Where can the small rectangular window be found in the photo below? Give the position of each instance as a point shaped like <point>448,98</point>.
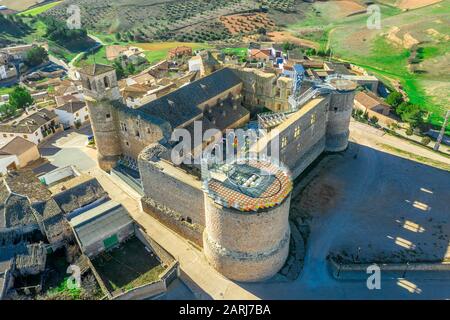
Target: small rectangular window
<point>108,115</point>
<point>5,135</point>
<point>284,142</point>
<point>297,132</point>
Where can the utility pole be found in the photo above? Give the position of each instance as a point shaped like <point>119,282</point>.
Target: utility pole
<point>441,134</point>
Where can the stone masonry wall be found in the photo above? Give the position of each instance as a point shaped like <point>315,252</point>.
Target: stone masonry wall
<point>246,246</point>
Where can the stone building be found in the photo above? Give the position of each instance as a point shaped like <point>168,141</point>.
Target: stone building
<point>304,122</point>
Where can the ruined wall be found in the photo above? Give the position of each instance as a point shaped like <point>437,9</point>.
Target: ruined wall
<point>246,246</point>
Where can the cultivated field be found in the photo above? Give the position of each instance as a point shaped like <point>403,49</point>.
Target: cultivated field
<point>19,5</point>
<point>40,9</point>
<point>247,23</point>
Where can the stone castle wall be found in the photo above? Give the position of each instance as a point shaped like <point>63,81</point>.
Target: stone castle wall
<point>246,246</point>
<point>107,140</point>
<point>264,89</point>
<point>175,203</point>
<point>339,114</point>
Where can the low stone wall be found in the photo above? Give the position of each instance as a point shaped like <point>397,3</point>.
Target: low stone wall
<point>99,279</point>
<point>6,285</point>
<point>163,215</point>
<point>144,292</point>
<point>163,255</point>
<point>422,271</point>
<point>152,289</point>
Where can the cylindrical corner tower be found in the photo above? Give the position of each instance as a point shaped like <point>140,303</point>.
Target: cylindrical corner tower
<point>246,236</point>
<point>339,114</point>
<point>101,91</point>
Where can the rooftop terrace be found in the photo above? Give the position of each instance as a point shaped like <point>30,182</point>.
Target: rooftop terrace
<point>249,186</point>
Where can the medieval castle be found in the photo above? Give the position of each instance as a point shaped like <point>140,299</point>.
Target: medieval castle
<point>238,212</point>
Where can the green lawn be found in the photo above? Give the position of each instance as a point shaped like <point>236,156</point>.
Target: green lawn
<point>99,56</point>
<point>4,90</point>
<point>40,9</point>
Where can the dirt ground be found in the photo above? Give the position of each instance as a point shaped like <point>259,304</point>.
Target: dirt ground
<point>414,4</point>
<point>369,205</point>
<point>286,36</point>
<point>19,5</point>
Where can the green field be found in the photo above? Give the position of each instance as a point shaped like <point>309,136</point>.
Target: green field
<point>241,53</point>
<point>154,51</point>
<point>40,9</point>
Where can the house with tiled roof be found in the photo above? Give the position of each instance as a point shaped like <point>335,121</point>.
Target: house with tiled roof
<point>34,127</point>
<point>73,113</point>
<point>180,52</point>
<point>25,151</point>
<point>369,101</point>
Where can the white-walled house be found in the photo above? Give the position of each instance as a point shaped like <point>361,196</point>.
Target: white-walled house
<point>35,127</point>
<point>8,162</point>
<point>72,112</point>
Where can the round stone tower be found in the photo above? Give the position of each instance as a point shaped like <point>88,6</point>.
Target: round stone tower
<point>246,236</point>
<point>101,91</point>
<point>339,114</point>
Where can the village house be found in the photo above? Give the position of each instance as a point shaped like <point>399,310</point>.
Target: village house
<point>180,52</point>
<point>130,53</point>
<point>260,55</point>
<point>92,232</point>
<point>18,52</point>
<point>35,127</point>
<point>370,102</point>
<point>24,152</point>
<point>7,69</point>
<point>72,113</point>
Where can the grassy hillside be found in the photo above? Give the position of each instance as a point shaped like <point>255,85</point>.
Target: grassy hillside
<point>40,9</point>
<point>427,81</point>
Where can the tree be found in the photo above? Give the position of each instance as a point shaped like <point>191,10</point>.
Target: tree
<point>425,141</point>
<point>394,99</point>
<point>374,119</point>
<point>36,56</point>
<point>287,46</point>
<point>119,69</point>
<point>262,31</point>
<point>118,36</point>
<point>130,69</point>
<point>20,98</point>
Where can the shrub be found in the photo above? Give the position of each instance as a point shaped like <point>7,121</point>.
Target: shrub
<point>409,132</point>
<point>425,141</point>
